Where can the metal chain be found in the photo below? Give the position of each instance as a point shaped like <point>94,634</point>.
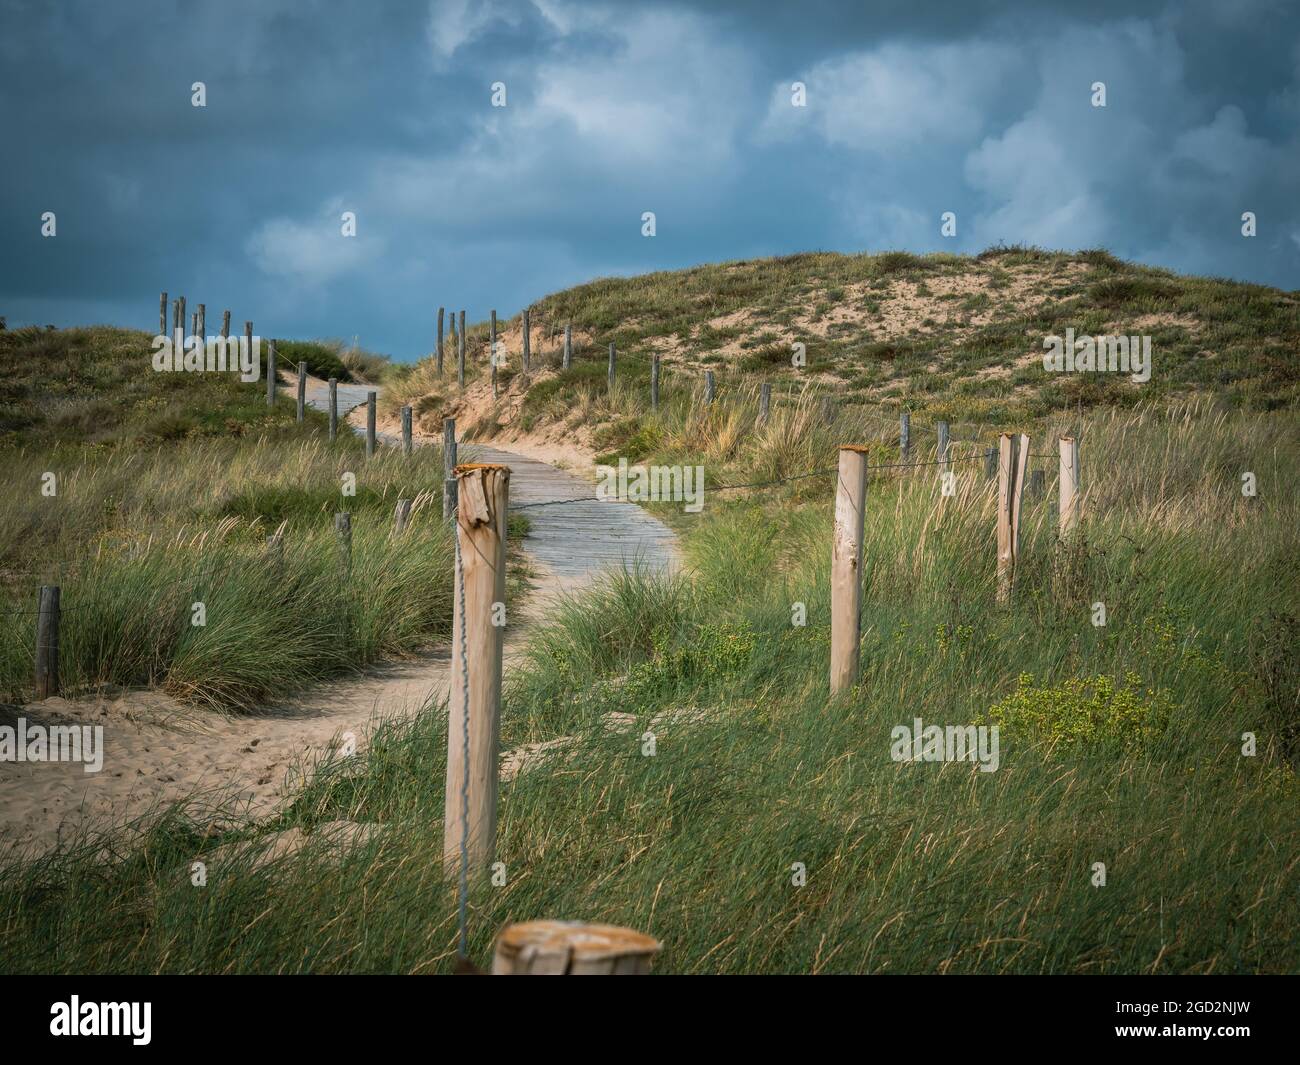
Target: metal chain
<point>462,894</point>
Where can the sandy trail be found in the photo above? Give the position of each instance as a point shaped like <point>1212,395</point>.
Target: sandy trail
<point>157,751</point>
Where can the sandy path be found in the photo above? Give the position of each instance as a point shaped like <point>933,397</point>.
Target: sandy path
<point>157,751</point>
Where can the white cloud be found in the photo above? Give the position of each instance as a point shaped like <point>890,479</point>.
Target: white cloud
<point>315,251</point>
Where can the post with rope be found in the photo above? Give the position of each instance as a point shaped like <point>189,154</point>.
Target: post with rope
<point>370,423</point>
<point>764,402</point>
<point>162,315</point>
<point>225,325</point>
<point>492,353</point>
<point>474,710</point>
<point>568,346</point>
<point>47,642</point>
<point>334,408</point>
<point>1069,485</point>
<point>406,430</point>
<point>904,437</point>
<point>270,373</point>
<point>944,446</point>
<point>846,566</point>
<point>654,382</point>
<point>448,468</point>
<point>460,352</point>
<point>710,387</point>
<point>1013,457</point>
<point>302,391</point>
<point>439,348</point>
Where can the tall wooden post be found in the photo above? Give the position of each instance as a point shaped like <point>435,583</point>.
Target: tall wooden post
<point>162,315</point>
<point>448,468</point>
<point>991,463</point>
<point>904,437</point>
<point>343,530</point>
<point>612,356</point>
<point>654,382</point>
<point>710,388</point>
<point>201,330</point>
<point>406,431</point>
<point>47,642</point>
<point>225,325</point>
<point>944,447</point>
<point>401,516</point>
<point>302,391</point>
<point>492,353</point>
<point>248,338</point>
<point>460,352</point>
<point>183,320</point>
<point>439,349</point>
<point>178,330</point>
<point>194,323</point>
<point>370,424</point>
<point>764,401</point>
<point>568,346</point>
<point>1069,485</point>
<point>1037,479</point>
<point>334,408</point>
<point>470,809</point>
<point>846,567</point>
<point>1013,455</point>
<point>527,341</point>
<point>270,373</point>
<point>828,410</point>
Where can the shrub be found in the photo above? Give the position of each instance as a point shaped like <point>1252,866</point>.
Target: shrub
<point>1083,711</point>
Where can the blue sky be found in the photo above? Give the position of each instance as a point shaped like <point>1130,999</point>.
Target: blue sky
<point>612,110</point>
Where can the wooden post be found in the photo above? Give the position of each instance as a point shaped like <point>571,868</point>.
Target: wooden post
<point>568,346</point>
<point>401,516</point>
<point>448,468</point>
<point>225,325</point>
<point>183,322</point>
<point>439,349</point>
<point>162,315</point>
<point>612,357</point>
<point>343,529</point>
<point>492,353</point>
<point>406,431</point>
<point>334,408</point>
<point>370,424</point>
<point>1013,454</point>
<point>1037,479</point>
<point>943,445</point>
<point>1069,485</point>
<point>828,410</point>
<point>177,331</point>
<point>527,349</point>
<point>991,463</point>
<point>47,642</point>
<point>270,373</point>
<point>460,352</point>
<point>302,391</point>
<point>194,323</point>
<point>201,331</point>
<point>846,566</point>
<point>483,497</point>
<point>710,389</point>
<point>572,948</point>
<point>248,338</point>
<point>764,402</point>
<point>904,437</point>
<point>654,382</point>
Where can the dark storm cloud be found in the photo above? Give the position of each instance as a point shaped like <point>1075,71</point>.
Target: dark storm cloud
<point>614,109</point>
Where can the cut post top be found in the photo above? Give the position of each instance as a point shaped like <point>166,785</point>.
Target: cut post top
<point>862,449</point>
<point>470,467</point>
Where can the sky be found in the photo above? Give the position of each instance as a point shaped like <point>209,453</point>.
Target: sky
<point>611,110</point>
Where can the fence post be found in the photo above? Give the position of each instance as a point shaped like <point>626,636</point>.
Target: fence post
<point>1037,478</point>
<point>612,357</point>
<point>1069,484</point>
<point>162,315</point>
<point>343,529</point>
<point>225,325</point>
<point>248,338</point>
<point>527,348</point>
<point>572,948</point>
<point>492,353</point>
<point>183,321</point>
<point>47,642</point>
<point>764,401</point>
<point>270,373</point>
<point>828,410</point>
<point>334,408</point>
<point>194,323</point>
<point>302,391</point>
<point>654,382</point>
<point>460,352</point>
<point>406,431</point>
<point>710,389</point>
<point>178,333</point>
<point>370,424</point>
<point>483,497</point>
<point>439,348</point>
<point>1013,454</point>
<point>401,515</point>
<point>568,346</point>
<point>991,463</point>
<point>943,445</point>
<point>448,468</point>
<point>202,329</point>
<point>846,566</point>
<point>904,437</point>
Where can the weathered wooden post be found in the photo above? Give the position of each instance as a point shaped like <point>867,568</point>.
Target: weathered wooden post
<point>162,315</point>
<point>492,353</point>
<point>370,424</point>
<point>612,356</point>
<point>401,516</point>
<point>406,431</point>
<point>828,410</point>
<point>47,642</point>
<point>943,445</point>
<point>343,530</point>
<point>183,322</point>
<point>1069,485</point>
<point>473,770</point>
<point>904,437</point>
<point>710,388</point>
<point>448,468</point>
<point>270,373</point>
<point>460,352</point>
<point>334,408</point>
<point>568,346</point>
<point>1037,481</point>
<point>225,325</point>
<point>527,348</point>
<point>991,463</point>
<point>201,331</point>
<point>439,349</point>
<point>654,382</point>
<point>194,323</point>
<point>1013,454</point>
<point>846,566</point>
<point>764,401</point>
<point>572,948</point>
<point>248,338</point>
<point>302,391</point>
<point>178,330</point>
